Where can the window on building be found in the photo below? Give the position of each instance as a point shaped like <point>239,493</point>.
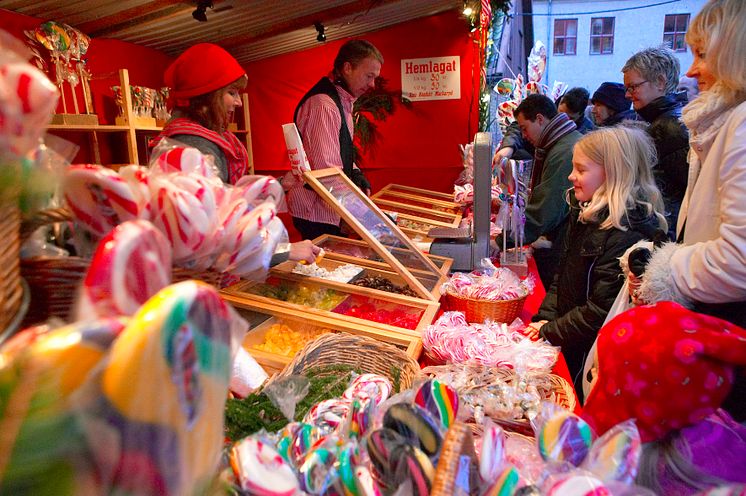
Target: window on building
<point>674,30</point>
<point>602,35</point>
<point>565,36</point>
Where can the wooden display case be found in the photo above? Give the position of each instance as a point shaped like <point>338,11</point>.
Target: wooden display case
<point>368,310</point>
<point>262,319</point>
<point>436,197</point>
<point>132,129</point>
<point>376,229</point>
<point>426,214</point>
<point>358,252</point>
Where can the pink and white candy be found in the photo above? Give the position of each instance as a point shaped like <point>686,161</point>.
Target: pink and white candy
<point>131,264</point>
<point>261,470</point>
<point>365,483</point>
<point>138,178</point>
<point>375,386</point>
<point>27,100</point>
<point>99,198</point>
<point>492,454</point>
<point>183,159</point>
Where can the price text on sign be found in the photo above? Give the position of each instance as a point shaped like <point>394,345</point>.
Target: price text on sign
<point>435,78</point>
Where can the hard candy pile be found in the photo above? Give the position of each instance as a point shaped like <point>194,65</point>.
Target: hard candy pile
<point>380,311</point>
<point>282,339</point>
<point>343,273</point>
<point>383,284</point>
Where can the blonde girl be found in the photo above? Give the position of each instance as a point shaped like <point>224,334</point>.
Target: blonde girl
<point>614,203</point>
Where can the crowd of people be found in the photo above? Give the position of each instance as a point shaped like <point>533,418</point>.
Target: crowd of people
<point>647,278</point>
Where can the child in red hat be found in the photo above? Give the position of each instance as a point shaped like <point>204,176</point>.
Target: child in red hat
<point>205,84</point>
<point>670,369</point>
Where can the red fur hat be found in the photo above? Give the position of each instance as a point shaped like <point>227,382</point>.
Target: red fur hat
<point>201,69</point>
<point>664,366</point>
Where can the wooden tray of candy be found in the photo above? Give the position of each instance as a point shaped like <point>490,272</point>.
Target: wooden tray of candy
<point>370,277</point>
<point>268,321</point>
<point>335,301</point>
<point>358,252</point>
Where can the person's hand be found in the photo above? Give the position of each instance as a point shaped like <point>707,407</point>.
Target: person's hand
<point>634,289</point>
<point>366,191</point>
<point>532,330</point>
<point>304,251</point>
<point>503,153</point>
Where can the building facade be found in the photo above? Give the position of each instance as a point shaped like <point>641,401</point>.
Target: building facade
<point>588,41</point>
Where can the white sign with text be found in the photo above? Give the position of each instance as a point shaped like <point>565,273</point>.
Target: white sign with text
<point>434,78</point>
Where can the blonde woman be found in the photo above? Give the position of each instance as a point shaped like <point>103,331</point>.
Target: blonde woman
<point>706,269</point>
<point>614,203</point>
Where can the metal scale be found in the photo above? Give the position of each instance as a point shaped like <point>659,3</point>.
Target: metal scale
<point>467,246</point>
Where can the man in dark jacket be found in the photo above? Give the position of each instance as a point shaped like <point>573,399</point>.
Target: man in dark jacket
<point>553,136</point>
<point>573,103</point>
<point>610,105</point>
<point>651,77</point>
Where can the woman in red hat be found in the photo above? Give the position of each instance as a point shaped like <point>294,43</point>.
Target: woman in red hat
<point>205,83</point>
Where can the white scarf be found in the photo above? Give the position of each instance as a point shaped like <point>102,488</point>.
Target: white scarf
<point>706,114</point>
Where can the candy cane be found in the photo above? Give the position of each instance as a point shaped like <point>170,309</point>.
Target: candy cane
<point>98,197</point>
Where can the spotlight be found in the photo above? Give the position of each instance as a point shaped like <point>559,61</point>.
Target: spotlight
<point>321,37</point>
<point>200,13</point>
<point>468,11</point>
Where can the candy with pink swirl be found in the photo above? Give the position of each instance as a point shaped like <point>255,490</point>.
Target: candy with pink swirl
<point>99,198</point>
<point>131,264</point>
<point>182,159</point>
<point>258,189</point>
<point>138,178</point>
<point>261,470</point>
<point>328,415</point>
<point>27,100</point>
<point>317,471</point>
<point>375,386</point>
<point>365,483</point>
<point>181,217</point>
<point>492,454</point>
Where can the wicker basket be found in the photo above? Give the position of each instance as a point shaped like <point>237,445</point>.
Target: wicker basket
<point>480,310</point>
<point>11,290</point>
<point>366,354</point>
<point>54,281</point>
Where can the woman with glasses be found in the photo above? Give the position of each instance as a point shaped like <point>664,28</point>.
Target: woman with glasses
<point>651,77</point>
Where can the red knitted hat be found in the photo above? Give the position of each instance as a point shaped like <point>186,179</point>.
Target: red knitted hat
<point>201,69</point>
<point>664,366</point>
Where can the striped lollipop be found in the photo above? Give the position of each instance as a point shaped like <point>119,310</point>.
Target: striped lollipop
<point>565,437</point>
<point>439,400</point>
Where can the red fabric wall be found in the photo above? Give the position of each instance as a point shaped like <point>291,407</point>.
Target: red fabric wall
<point>418,146</point>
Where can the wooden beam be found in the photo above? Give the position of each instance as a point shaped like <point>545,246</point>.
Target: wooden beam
<point>142,14</point>
<point>286,26</point>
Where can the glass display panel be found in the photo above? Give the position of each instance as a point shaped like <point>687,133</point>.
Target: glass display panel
<point>416,213</point>
<point>372,220</point>
<point>435,195</point>
<point>424,203</point>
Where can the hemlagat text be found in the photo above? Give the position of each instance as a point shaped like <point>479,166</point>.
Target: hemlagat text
<point>435,78</point>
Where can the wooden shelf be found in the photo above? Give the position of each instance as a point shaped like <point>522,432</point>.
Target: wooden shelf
<point>131,130</point>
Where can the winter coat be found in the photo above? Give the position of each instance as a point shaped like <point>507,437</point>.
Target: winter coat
<point>707,270</point>
<point>671,140</point>
<point>584,124</point>
<point>587,283</point>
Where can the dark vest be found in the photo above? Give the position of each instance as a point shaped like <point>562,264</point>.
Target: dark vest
<point>346,150</point>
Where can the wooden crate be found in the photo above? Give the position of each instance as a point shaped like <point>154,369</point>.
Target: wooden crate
<point>247,293</point>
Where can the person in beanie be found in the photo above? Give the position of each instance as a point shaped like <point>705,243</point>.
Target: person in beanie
<point>553,135</point>
<point>205,84</point>
<point>573,103</point>
<point>669,369</point>
<point>651,77</point>
<point>324,121</point>
<point>610,105</point>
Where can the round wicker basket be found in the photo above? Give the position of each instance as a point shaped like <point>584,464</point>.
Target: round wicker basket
<point>478,311</point>
<point>54,281</point>
<point>11,290</point>
<point>367,354</point>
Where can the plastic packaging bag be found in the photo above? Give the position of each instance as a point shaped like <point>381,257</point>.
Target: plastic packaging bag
<point>286,392</point>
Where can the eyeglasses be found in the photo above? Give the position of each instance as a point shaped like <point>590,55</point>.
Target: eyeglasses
<point>633,87</point>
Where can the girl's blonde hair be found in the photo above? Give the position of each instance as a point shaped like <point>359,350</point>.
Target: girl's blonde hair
<point>627,155</point>
<point>718,29</point>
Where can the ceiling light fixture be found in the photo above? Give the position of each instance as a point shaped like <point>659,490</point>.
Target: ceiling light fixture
<point>200,13</point>
<point>321,37</point>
